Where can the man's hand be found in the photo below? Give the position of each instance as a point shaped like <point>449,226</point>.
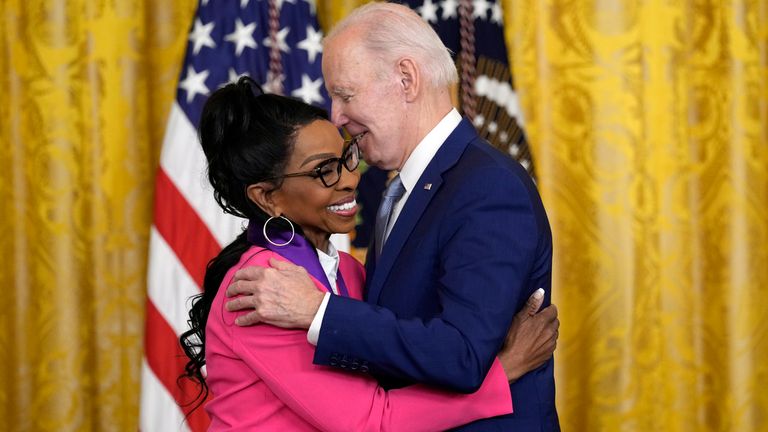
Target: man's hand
<point>532,338</point>
<point>283,295</point>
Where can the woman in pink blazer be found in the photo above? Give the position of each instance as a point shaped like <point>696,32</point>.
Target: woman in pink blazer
<point>281,164</point>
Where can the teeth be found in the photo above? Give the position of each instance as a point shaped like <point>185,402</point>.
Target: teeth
<point>348,206</point>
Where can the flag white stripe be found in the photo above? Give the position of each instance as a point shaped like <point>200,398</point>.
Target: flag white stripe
<point>184,162</point>
<point>158,411</point>
<point>169,284</point>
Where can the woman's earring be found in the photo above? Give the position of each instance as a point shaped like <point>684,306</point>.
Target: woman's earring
<point>264,231</point>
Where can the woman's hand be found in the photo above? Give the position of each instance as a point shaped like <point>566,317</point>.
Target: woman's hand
<point>532,338</point>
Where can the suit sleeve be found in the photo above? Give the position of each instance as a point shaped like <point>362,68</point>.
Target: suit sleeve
<point>332,400</point>
<point>489,241</point>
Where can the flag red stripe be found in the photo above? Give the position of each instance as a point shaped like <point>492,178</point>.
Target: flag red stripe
<point>193,244</point>
<point>166,359</point>
<point>182,228</point>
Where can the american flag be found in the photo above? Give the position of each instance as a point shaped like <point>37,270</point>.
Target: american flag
<point>278,43</point>
<point>474,31</point>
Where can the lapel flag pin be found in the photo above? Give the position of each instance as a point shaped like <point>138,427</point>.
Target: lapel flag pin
<point>427,186</point>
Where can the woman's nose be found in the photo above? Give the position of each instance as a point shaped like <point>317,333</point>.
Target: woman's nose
<point>348,180</point>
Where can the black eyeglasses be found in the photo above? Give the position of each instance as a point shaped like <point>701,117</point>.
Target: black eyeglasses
<point>329,170</point>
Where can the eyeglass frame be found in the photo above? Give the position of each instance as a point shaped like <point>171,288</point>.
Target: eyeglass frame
<point>342,161</point>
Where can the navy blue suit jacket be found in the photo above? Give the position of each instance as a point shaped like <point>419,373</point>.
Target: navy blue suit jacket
<point>464,255</point>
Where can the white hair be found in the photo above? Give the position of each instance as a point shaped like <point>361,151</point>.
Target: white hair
<point>392,31</point>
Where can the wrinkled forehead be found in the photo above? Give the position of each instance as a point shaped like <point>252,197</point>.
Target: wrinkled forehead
<point>346,60</point>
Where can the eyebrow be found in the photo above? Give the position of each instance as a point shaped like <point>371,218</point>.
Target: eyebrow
<point>324,156</point>
<point>340,91</point>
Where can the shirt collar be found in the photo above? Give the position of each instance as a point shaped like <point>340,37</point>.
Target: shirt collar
<point>426,149</point>
<point>330,262</point>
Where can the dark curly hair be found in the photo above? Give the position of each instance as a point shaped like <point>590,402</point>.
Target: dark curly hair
<point>247,137</point>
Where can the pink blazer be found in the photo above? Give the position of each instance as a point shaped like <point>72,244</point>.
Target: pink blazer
<point>262,378</point>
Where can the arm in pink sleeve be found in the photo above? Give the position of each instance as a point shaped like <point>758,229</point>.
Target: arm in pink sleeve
<point>336,400</point>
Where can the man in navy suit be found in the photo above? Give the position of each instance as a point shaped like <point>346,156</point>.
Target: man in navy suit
<point>464,247</point>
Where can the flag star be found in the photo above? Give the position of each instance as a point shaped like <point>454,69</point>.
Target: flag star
<point>309,90</point>
<point>242,36</point>
<point>428,11</point>
<point>480,9</point>
<point>243,4</point>
<point>496,15</point>
<point>312,43</point>
<point>194,83</point>
<point>280,40</point>
<point>201,36</point>
<point>449,8</point>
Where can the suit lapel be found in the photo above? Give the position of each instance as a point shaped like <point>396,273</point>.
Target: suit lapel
<point>425,189</point>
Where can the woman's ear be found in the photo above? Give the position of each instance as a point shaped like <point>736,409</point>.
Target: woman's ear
<point>262,194</point>
<point>409,78</point>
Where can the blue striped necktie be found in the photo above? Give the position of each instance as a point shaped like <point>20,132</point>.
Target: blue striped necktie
<point>392,195</point>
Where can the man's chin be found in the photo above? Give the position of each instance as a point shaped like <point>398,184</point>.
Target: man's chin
<point>378,164</point>
<point>370,159</point>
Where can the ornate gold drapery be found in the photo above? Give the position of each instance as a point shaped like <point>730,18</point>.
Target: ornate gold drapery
<point>649,125</point>
<point>86,87</point>
<point>650,129</point>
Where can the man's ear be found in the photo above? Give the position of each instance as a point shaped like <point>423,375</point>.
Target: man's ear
<point>410,80</point>
<point>262,194</point>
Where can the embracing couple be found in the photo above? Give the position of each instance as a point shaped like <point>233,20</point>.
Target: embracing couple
<point>442,328</point>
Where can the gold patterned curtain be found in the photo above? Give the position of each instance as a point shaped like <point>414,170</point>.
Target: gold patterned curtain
<point>649,124</point>
<point>85,89</point>
<point>650,130</point>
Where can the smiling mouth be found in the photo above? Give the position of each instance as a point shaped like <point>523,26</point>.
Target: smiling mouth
<point>343,208</point>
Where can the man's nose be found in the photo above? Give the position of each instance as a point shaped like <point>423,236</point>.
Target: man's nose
<point>338,118</point>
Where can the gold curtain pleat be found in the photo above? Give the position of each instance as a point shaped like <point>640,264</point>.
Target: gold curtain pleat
<point>329,12</point>
<point>649,125</point>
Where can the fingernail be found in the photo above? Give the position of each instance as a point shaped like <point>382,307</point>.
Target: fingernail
<point>539,293</point>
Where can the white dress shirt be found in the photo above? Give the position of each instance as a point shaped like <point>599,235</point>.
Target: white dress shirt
<point>330,263</point>
<point>412,170</point>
